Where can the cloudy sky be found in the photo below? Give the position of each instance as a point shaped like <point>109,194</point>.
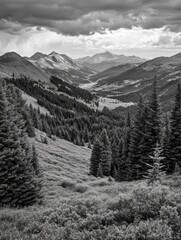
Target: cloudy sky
<point>147,28</point>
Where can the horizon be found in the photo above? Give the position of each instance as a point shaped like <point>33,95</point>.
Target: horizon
<point>91,55</point>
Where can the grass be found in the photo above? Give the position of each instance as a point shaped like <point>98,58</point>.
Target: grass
<point>81,207</point>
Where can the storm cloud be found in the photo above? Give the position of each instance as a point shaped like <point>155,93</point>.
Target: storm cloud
<point>85,17</point>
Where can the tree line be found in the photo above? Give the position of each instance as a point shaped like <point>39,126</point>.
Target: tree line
<point>72,91</point>
<point>68,118</point>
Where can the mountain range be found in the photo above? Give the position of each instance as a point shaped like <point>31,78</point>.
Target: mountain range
<point>124,82</point>
<point>128,85</point>
<point>103,61</point>
<point>62,66</point>
<point>42,66</point>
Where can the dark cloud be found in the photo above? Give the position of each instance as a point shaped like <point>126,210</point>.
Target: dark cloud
<point>74,17</point>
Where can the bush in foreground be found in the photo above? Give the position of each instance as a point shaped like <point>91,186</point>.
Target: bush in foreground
<point>152,213</point>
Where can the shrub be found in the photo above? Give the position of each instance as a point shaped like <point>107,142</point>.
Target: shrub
<point>101,182</point>
<point>142,203</point>
<point>68,184</point>
<point>171,216</point>
<point>81,188</point>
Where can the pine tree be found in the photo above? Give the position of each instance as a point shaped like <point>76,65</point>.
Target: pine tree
<point>89,145</point>
<point>125,164</point>
<point>137,134</point>
<point>30,129</point>
<point>86,135</point>
<point>155,172</point>
<point>100,171</point>
<point>105,157</point>
<point>166,143</point>
<point>35,162</point>
<point>46,128</point>
<point>95,158</point>
<point>153,118</point>
<point>36,118</point>
<point>115,155</point>
<point>152,129</point>
<point>175,135</point>
<point>128,120</point>
<point>122,172</point>
<point>18,183</point>
<point>67,136</point>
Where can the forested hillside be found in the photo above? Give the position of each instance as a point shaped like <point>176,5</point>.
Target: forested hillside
<point>72,90</point>
<point>70,119</point>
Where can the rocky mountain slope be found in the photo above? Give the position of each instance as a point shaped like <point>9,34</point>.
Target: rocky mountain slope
<point>62,66</point>
<point>13,64</point>
<point>103,61</point>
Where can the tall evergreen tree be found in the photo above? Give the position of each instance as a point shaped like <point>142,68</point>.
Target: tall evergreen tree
<point>128,120</point>
<point>122,173</point>
<point>105,158</point>
<point>152,129</point>
<point>155,172</point>
<point>166,144</point>
<point>137,134</point>
<point>126,164</point>
<point>115,155</point>
<point>95,158</point>
<point>175,135</point>
<point>154,116</point>
<point>100,171</point>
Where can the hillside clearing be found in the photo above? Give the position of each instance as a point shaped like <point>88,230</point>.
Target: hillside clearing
<point>66,172</point>
<point>33,102</point>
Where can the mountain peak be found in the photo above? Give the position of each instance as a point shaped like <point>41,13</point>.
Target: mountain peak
<point>10,56</point>
<point>105,54</point>
<point>37,56</point>
<point>53,53</point>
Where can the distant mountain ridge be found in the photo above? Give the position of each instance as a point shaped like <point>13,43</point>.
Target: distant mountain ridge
<point>42,66</point>
<point>62,66</point>
<point>112,72</point>
<point>128,85</point>
<point>102,61</point>
<point>13,64</point>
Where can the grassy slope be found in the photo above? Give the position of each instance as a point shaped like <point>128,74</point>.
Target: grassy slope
<point>61,161</point>
<point>67,165</point>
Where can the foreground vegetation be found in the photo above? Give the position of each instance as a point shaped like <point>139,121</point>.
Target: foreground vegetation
<point>132,211</point>
<point>81,207</point>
